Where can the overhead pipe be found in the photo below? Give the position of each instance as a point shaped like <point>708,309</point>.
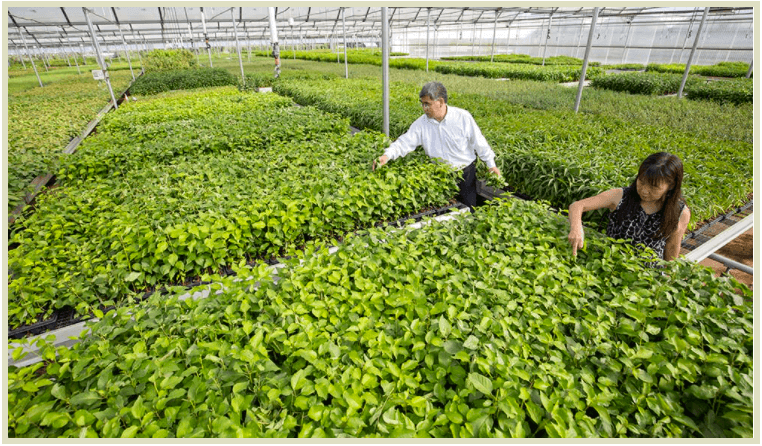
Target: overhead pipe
<point>274,39</point>
<point>587,57</point>
<point>206,38</point>
<point>385,65</point>
<point>99,55</point>
<point>693,53</point>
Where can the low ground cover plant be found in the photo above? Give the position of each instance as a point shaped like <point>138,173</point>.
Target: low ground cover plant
<point>159,81</point>
<point>525,59</point>
<point>42,121</point>
<point>721,69</point>
<point>644,83</point>
<point>556,73</point>
<point>710,120</point>
<point>191,182</point>
<point>483,326</point>
<point>736,91</point>
<point>625,66</point>
<point>168,60</point>
<point>555,155</point>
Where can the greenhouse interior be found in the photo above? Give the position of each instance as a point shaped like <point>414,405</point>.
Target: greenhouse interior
<point>377,222</point>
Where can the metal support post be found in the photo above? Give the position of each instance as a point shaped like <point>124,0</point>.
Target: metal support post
<point>545,49</point>
<point>21,55</point>
<point>494,35</point>
<point>344,30</point>
<point>693,53</point>
<point>687,36</point>
<point>206,38</point>
<point>473,40</point>
<point>385,65</point>
<point>237,46</point>
<point>748,73</point>
<point>42,58</point>
<point>74,56</point>
<point>650,48</point>
<point>274,39</point>
<point>30,57</point>
<point>126,51</point>
<point>587,57</point>
<point>579,39</point>
<point>428,18</point>
<point>99,56</point>
<point>626,42</point>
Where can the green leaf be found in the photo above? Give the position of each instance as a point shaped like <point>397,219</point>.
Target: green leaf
<point>480,383</point>
<point>354,401</point>
<point>132,277</point>
<point>238,387</point>
<point>130,432</point>
<point>444,326</point>
<point>84,398</point>
<point>643,375</point>
<point>452,347</point>
<point>58,391</point>
<point>472,343</point>
<point>535,411</point>
<point>297,380</point>
<point>316,412</point>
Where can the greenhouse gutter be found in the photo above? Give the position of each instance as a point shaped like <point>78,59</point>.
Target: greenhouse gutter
<point>72,334</point>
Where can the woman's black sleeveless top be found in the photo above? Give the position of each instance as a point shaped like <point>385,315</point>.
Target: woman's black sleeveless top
<point>640,227</point>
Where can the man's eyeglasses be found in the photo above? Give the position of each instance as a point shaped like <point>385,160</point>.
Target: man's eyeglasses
<point>426,105</point>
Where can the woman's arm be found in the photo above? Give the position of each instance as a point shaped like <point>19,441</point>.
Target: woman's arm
<point>672,248</point>
<point>608,199</point>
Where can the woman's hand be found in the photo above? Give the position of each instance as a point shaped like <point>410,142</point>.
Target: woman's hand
<point>576,239</point>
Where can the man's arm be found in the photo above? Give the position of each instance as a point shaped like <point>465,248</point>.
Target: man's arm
<point>405,144</point>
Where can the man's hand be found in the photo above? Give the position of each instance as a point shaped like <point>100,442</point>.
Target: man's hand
<point>495,170</point>
<point>383,159</point>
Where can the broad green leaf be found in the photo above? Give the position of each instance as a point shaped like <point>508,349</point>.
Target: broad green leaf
<point>480,383</point>
<point>84,398</point>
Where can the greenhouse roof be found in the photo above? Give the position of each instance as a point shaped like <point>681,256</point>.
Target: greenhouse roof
<point>62,26</point>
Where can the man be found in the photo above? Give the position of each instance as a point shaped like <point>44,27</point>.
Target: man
<point>448,133</point>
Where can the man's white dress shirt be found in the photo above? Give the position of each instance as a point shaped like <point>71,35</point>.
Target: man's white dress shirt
<point>457,139</point>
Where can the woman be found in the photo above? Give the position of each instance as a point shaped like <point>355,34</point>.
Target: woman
<point>650,211</point>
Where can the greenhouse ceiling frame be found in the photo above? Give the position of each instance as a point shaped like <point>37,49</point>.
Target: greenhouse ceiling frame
<point>57,27</point>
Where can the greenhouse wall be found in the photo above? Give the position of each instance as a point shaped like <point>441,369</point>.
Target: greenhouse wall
<point>613,42</point>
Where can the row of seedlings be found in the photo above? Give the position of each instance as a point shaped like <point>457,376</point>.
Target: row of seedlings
<point>481,326</point>
<point>188,183</point>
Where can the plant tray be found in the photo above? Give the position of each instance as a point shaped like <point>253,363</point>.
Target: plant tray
<point>34,329</point>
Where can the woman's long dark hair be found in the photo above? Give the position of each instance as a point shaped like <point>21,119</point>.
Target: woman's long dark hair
<point>656,169</point>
